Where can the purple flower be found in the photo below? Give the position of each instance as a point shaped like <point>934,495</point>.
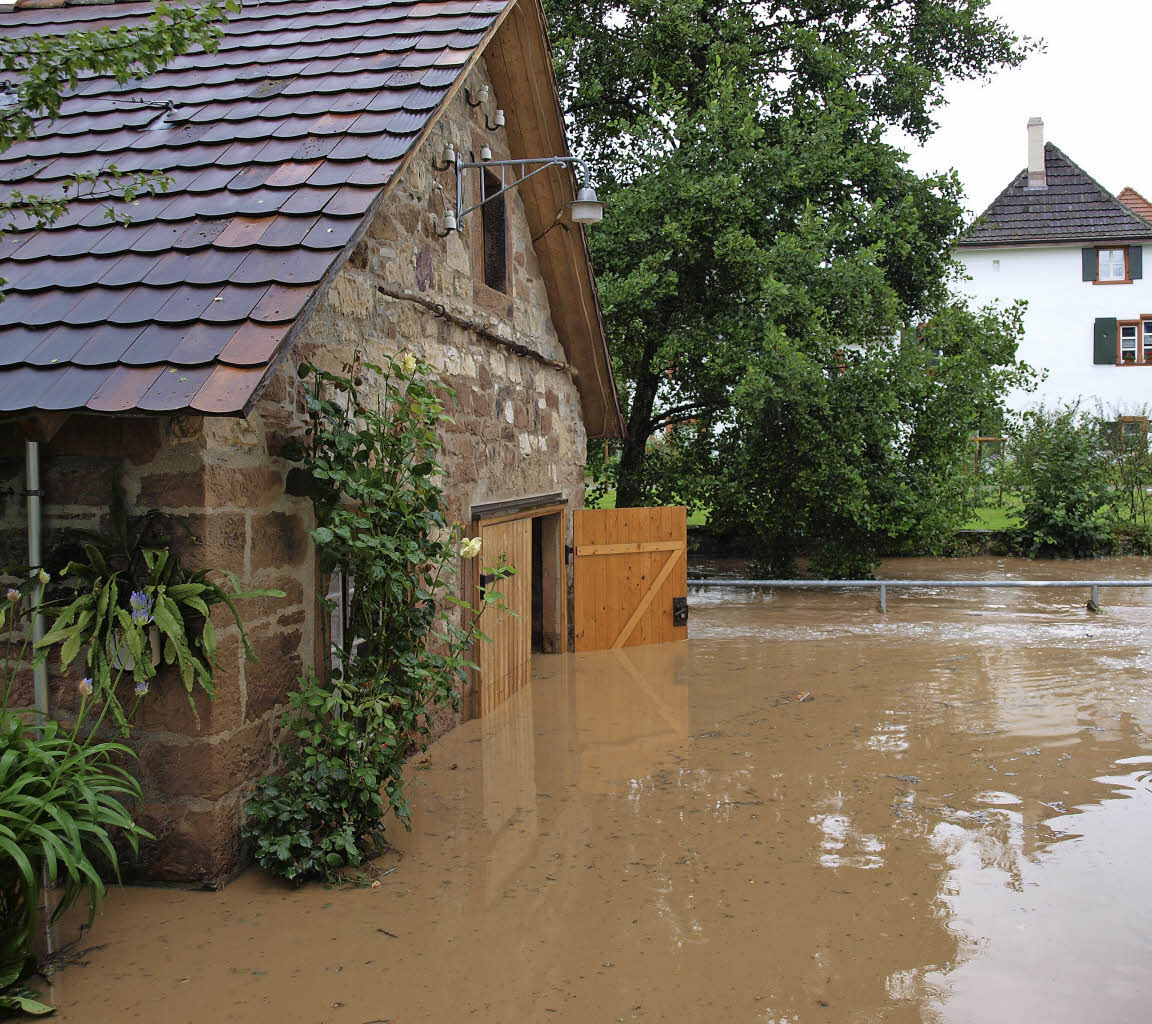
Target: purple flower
<point>85,687</point>
<point>141,689</point>
<point>141,604</point>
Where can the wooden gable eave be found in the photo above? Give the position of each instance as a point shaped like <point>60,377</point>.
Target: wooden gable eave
<point>519,62</point>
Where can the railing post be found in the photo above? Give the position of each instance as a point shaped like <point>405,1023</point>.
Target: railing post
<point>1094,600</point>
<point>883,598</point>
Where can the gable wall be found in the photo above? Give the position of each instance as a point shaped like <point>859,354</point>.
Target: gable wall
<point>1059,322</point>
<point>518,429</point>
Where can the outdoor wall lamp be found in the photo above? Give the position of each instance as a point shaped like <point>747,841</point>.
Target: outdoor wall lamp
<point>584,209</point>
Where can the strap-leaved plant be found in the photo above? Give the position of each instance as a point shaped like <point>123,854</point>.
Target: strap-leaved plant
<point>371,459</point>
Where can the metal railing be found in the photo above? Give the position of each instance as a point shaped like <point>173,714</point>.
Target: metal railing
<point>1093,586</point>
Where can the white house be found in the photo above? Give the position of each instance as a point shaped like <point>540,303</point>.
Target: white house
<point>1075,252</point>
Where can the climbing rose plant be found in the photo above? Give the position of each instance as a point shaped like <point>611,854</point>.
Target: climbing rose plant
<point>370,459</point>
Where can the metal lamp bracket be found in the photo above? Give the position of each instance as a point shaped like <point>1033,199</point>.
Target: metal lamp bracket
<point>523,169</point>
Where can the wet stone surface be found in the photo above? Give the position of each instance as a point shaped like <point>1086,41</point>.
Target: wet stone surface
<point>806,812</point>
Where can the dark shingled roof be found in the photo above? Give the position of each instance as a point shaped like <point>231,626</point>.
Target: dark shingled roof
<point>279,147</point>
<point>1073,208</point>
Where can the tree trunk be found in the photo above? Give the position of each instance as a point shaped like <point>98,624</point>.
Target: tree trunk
<point>630,490</point>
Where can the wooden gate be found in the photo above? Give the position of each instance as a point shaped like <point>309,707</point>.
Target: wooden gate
<point>506,662</point>
<point>631,576</point>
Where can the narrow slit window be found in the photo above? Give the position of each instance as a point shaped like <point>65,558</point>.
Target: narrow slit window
<point>1147,353</point>
<point>494,235</point>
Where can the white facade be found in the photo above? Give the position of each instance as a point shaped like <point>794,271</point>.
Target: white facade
<point>1059,322</point>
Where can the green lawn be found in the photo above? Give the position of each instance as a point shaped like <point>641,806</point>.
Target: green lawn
<point>993,518</point>
<point>698,518</point>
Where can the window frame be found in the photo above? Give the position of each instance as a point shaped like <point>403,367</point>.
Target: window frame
<point>1143,327</point>
<point>1141,421</point>
<point>493,234</point>
<point>1127,278</point>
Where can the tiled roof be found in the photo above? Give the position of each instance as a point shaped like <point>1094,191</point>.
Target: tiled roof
<point>1073,208</point>
<point>279,146</point>
<point>1136,203</point>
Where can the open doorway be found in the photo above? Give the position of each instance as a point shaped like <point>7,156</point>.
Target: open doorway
<point>548,583</point>
<point>528,537</point>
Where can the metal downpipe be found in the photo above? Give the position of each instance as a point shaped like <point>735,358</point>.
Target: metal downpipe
<point>35,561</point>
<point>40,672</point>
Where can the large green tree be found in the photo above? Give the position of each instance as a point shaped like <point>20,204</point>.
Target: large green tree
<point>41,70</point>
<point>760,226</point>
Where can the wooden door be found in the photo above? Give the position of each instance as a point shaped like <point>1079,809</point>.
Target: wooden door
<point>506,662</point>
<point>631,567</point>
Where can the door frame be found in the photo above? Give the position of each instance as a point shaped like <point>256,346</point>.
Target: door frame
<point>553,562</point>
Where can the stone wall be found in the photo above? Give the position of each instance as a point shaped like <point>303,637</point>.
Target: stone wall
<point>517,432</point>
<point>218,481</point>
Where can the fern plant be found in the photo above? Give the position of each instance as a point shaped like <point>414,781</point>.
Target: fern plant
<point>127,584</point>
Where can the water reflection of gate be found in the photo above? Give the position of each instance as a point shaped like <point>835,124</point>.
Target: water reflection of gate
<point>608,719</point>
<point>508,763</point>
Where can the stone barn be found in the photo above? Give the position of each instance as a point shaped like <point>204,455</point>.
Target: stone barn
<point>305,219</point>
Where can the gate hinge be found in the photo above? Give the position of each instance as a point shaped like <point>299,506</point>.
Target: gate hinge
<point>486,580</point>
<point>569,551</point>
<point>680,611</point>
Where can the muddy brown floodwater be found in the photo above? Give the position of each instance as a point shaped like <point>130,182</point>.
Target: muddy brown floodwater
<point>954,826</point>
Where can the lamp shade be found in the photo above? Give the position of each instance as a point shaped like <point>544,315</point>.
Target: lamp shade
<point>586,208</point>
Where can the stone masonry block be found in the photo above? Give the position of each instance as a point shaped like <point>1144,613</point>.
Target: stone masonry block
<point>276,671</point>
<point>206,768</point>
<point>212,540</point>
<point>199,844</point>
<point>278,539</point>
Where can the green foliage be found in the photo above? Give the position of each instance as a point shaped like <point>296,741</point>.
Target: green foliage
<point>864,456</point>
<point>371,458</point>
<point>128,584</point>
<point>758,223</point>
<point>1062,472</point>
<point>63,799</point>
<point>42,69</point>
<point>1129,466</point>
<point>325,810</point>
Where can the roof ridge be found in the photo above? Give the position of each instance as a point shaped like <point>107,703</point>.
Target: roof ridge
<point>1108,195</point>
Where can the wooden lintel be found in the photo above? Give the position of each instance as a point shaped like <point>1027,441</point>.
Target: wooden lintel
<point>539,504</point>
<point>43,426</point>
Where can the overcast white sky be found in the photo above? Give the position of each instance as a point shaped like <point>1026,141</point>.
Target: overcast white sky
<point>1092,87</point>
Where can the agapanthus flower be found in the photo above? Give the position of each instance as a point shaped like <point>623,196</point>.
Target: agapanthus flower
<point>13,594</point>
<point>141,605</point>
<point>141,689</point>
<point>85,687</point>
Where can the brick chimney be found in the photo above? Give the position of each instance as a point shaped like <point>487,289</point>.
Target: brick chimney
<point>1037,176</point>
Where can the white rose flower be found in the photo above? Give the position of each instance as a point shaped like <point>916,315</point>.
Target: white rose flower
<point>470,548</point>
<point>408,363</point>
